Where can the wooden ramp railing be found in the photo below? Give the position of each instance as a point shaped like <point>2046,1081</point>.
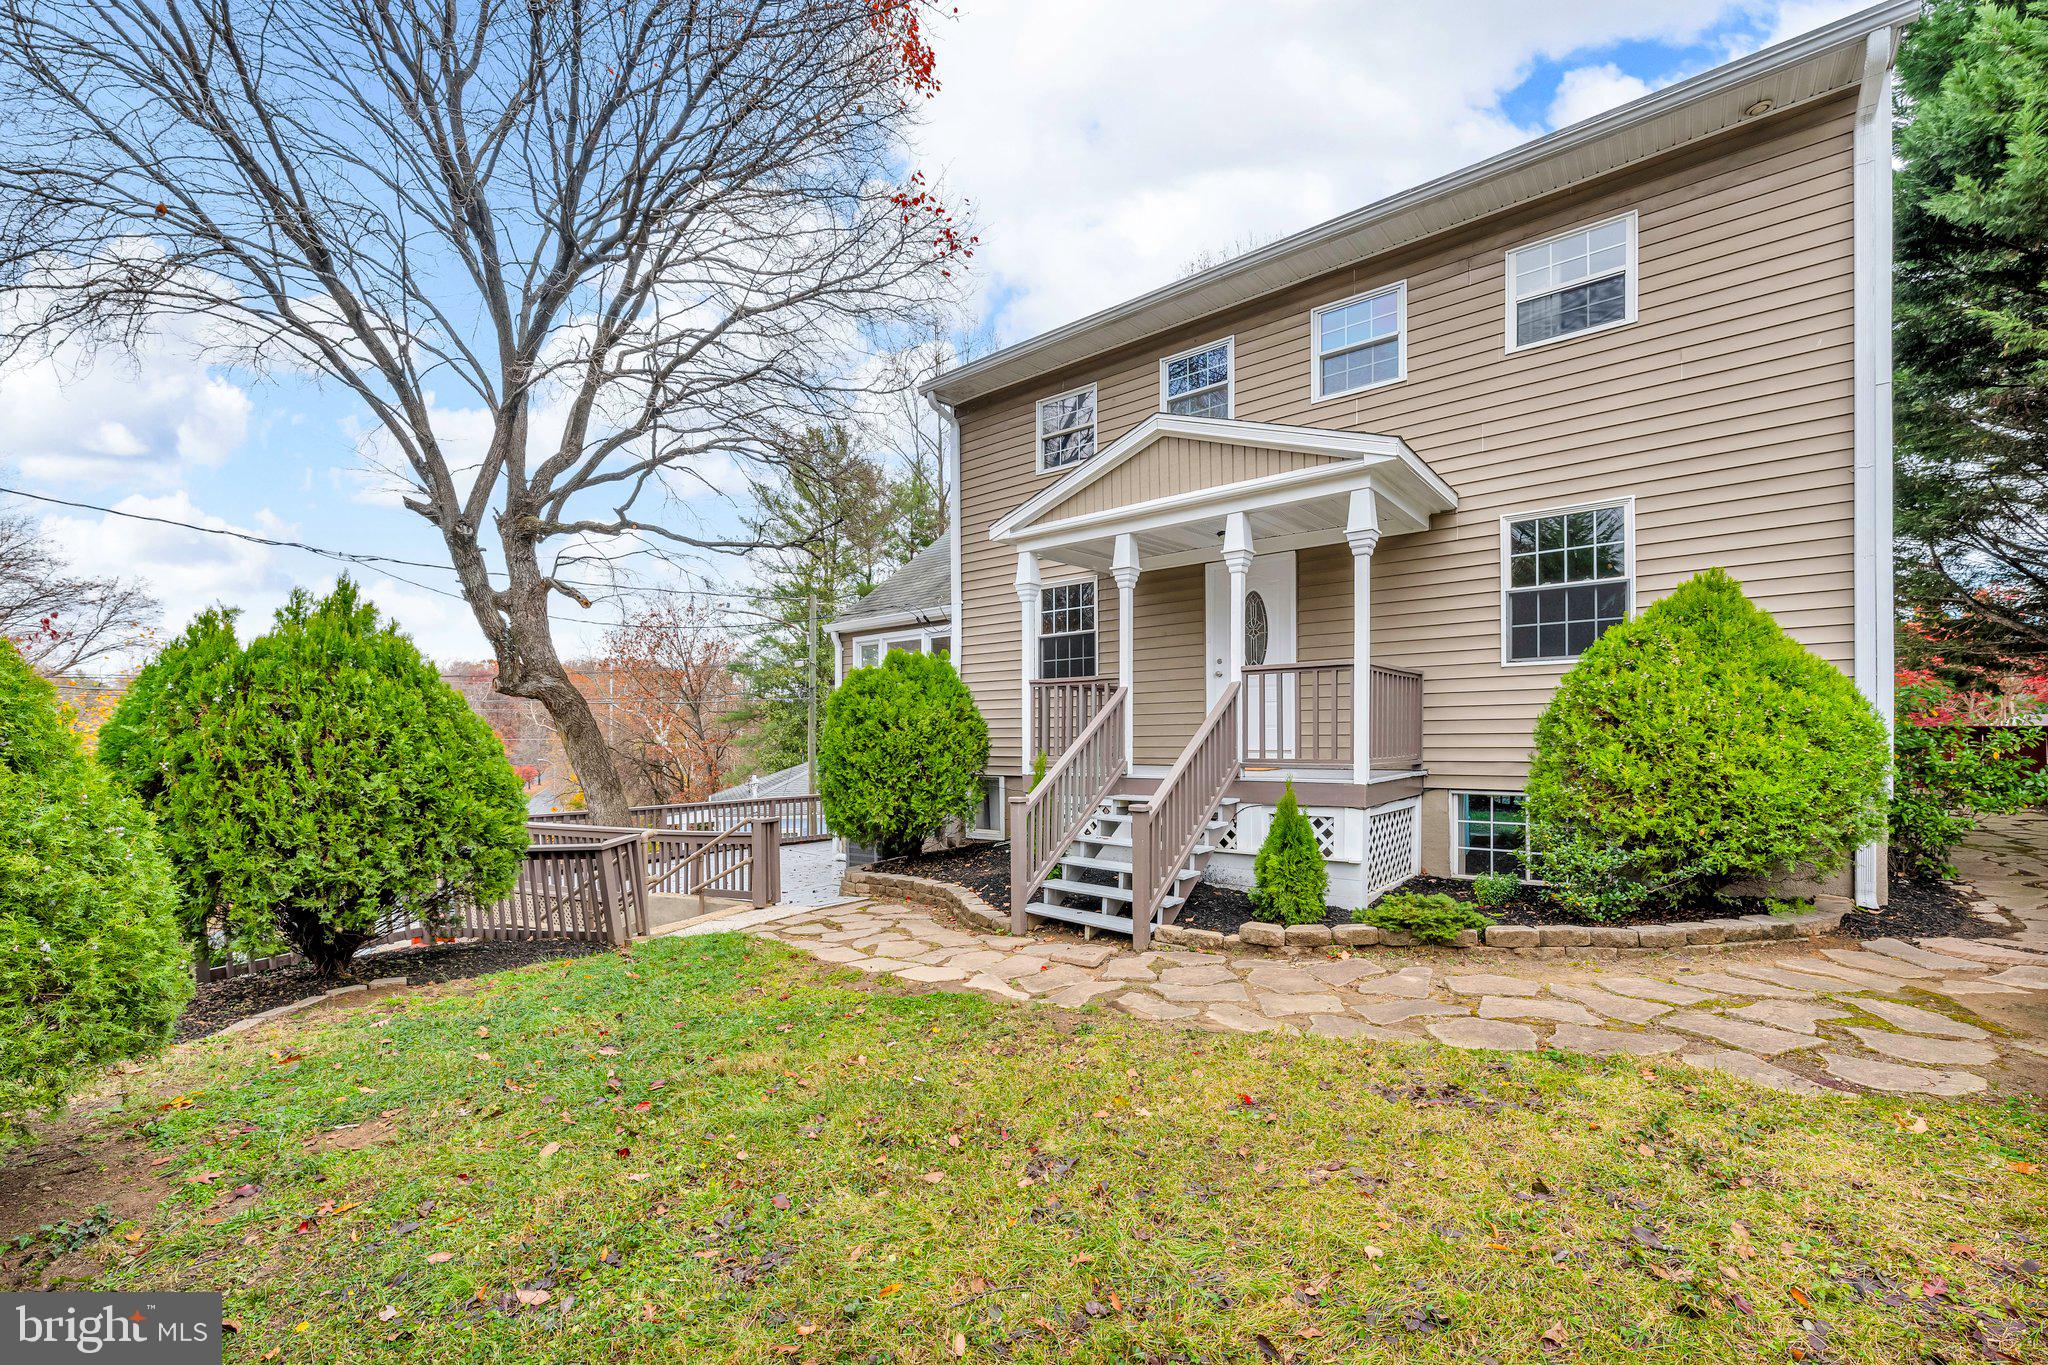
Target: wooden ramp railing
<point>1166,826</point>
<point>1046,819</point>
<point>801,819</point>
<point>1061,709</point>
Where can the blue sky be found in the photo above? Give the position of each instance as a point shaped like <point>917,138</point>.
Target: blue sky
<point>1101,149</point>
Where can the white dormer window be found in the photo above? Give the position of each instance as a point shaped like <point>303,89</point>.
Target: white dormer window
<point>1197,383</point>
<point>1576,282</point>
<point>1066,429</point>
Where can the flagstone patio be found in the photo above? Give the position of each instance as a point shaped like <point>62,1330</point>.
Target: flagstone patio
<point>1943,1017</point>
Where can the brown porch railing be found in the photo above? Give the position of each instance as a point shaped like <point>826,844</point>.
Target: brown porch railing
<point>1166,825</point>
<point>801,819</point>
<point>1046,819</point>
<point>1061,708</point>
<point>1299,716</point>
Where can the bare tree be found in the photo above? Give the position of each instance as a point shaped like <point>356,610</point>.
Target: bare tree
<point>641,235</point>
<point>61,619</point>
<point>674,704</point>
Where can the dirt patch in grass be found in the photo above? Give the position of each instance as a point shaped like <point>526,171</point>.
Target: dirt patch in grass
<point>1919,908</point>
<point>62,1196</point>
<point>220,1003</point>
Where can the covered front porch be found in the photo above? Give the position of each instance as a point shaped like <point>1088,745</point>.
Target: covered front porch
<point>1242,561</point>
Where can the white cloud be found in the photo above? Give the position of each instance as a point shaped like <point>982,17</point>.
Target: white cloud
<point>130,420</point>
<point>1585,91</point>
<point>1103,147</point>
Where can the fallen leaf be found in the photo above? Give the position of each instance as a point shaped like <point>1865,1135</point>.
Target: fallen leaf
<point>440,1257</point>
<point>386,1313</point>
<point>550,1150</point>
<point>959,1344</point>
<point>532,1298</point>
<point>889,1289</point>
<point>1553,1337</point>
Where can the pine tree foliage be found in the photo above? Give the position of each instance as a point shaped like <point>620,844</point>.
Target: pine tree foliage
<point>1290,882</point>
<point>317,782</point>
<point>901,752</point>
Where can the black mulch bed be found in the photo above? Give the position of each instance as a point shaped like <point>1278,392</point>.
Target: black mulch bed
<point>1918,908</point>
<point>220,1003</point>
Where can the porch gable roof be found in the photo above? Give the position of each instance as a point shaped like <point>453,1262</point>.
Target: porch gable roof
<point>1209,462</point>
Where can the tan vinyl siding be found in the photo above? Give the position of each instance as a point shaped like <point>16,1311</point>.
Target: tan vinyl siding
<point>1725,411</point>
<point>1176,464</point>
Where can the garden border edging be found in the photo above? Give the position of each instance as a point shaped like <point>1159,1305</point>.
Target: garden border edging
<point>1521,940</point>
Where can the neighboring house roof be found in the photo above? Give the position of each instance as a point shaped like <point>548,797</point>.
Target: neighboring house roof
<point>790,781</point>
<point>920,592</point>
<point>1814,66</point>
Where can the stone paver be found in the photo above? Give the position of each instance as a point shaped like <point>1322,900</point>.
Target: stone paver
<point>1726,1012</point>
<point>1493,1034</point>
<point>1901,1080</point>
<point>1917,1020</point>
<point>1603,1042</point>
<point>1911,1047</point>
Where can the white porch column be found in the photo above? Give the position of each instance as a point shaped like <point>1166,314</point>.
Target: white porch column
<point>1125,571</point>
<point>1237,558</point>
<point>1027,652</point>
<point>1362,530</point>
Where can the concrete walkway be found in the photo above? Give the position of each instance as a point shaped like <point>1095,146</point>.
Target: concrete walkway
<point>1935,1017</point>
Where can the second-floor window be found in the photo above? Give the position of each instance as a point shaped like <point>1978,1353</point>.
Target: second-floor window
<point>1066,429</point>
<point>1358,342</point>
<point>1567,580</point>
<point>1574,282</point>
<point>1197,383</point>
<point>1066,631</point>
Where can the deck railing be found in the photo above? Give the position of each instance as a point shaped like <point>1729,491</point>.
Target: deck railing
<point>1061,708</point>
<point>1045,820</point>
<point>1166,825</point>
<point>801,819</point>
<point>1299,716</point>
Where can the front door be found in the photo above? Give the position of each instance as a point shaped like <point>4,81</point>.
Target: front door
<point>1268,617</point>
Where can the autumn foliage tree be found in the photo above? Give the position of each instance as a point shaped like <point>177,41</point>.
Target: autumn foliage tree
<point>672,704</point>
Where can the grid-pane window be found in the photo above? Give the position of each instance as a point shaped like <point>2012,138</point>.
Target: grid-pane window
<point>1066,428</point>
<point>870,653</point>
<point>1198,384</point>
<point>1066,631</point>
<point>1568,580</point>
<point>1358,344</point>
<point>1571,283</point>
<point>1493,836</point>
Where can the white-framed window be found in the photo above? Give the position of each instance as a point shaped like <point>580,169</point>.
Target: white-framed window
<point>869,653</point>
<point>1360,342</point>
<point>1200,382</point>
<point>988,814</point>
<point>1567,574</point>
<point>1066,429</point>
<point>940,643</point>
<point>1489,833</point>
<point>1066,630</point>
<point>1571,284</point>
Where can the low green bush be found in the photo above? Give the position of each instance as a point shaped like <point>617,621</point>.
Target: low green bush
<point>1698,745</point>
<point>1432,918</point>
<point>901,751</point>
<point>1945,776</point>
<point>92,965</point>
<point>1290,881</point>
<point>1495,889</point>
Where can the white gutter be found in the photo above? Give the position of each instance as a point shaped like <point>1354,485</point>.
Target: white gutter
<point>1873,409</point>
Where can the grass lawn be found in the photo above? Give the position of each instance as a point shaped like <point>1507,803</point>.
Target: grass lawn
<point>716,1150</point>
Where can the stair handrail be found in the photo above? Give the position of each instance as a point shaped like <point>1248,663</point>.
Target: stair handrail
<point>1167,823</point>
<point>1045,820</point>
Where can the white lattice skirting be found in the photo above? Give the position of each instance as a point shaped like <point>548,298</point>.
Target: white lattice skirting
<point>1393,845</point>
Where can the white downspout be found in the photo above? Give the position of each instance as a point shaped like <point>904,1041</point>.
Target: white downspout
<point>1873,408</point>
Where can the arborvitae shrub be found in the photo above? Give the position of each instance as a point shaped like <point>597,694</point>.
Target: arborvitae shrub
<point>901,751</point>
<point>317,781</point>
<point>1428,918</point>
<point>1290,881</point>
<point>92,966</point>
<point>1698,745</point>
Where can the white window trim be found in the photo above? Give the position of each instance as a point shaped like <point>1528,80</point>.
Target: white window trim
<point>1229,345</point>
<point>1002,807</point>
<point>1628,316</point>
<point>1627,504</point>
<point>897,640</point>
<point>1038,425</point>
<point>1399,289</point>
<point>1095,628</point>
<point>1457,841</point>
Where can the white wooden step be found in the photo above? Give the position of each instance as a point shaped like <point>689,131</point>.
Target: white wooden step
<point>1096,863</point>
<point>1069,915</point>
<point>1110,893</point>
